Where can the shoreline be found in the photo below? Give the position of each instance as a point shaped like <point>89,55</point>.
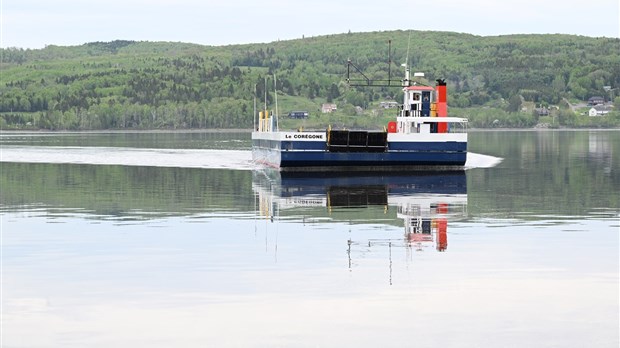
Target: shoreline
<point>247,130</point>
<point>126,131</point>
<point>540,129</point>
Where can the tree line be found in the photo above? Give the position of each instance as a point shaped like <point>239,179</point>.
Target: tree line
<point>144,85</point>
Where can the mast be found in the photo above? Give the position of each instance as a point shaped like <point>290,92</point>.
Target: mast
<point>365,81</point>
<point>275,91</point>
<point>265,119</point>
<point>265,108</point>
<point>254,108</point>
<point>389,62</point>
<point>406,81</point>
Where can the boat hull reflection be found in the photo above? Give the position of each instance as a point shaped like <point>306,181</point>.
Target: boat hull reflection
<point>424,201</point>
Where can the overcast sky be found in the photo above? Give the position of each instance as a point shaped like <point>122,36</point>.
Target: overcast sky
<point>36,23</point>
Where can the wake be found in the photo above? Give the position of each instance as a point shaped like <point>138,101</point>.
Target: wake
<point>180,158</point>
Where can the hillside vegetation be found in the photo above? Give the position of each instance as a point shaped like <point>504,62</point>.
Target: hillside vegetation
<point>494,81</point>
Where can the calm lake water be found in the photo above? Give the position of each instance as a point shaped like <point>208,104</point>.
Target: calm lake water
<point>177,240</point>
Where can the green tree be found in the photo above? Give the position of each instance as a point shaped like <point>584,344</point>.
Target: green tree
<point>567,117</point>
<point>333,93</point>
<point>514,103</point>
<point>564,105</point>
<point>558,84</point>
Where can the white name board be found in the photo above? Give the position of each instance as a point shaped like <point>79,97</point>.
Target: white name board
<point>303,136</point>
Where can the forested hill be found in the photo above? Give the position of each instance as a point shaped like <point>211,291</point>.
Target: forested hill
<point>146,85</point>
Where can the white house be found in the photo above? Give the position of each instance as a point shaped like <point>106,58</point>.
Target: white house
<point>599,110</point>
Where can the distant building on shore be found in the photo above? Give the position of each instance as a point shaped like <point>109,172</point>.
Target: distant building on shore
<point>596,101</point>
<point>298,114</point>
<point>388,104</point>
<point>600,110</point>
<point>328,107</point>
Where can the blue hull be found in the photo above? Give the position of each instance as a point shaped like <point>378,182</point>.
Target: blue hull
<point>310,156</point>
<point>387,159</point>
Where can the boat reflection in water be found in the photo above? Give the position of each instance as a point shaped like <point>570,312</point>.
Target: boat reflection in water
<point>424,202</point>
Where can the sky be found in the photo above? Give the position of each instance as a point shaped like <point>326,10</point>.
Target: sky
<point>37,23</point>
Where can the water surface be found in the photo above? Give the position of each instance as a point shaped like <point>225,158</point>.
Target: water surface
<point>521,253</point>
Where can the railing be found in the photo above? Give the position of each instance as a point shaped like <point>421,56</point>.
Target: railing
<point>432,124</point>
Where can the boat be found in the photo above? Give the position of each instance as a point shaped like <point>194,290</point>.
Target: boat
<point>422,137</point>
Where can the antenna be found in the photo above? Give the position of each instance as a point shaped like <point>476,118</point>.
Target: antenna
<point>408,44</point>
<point>406,81</point>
